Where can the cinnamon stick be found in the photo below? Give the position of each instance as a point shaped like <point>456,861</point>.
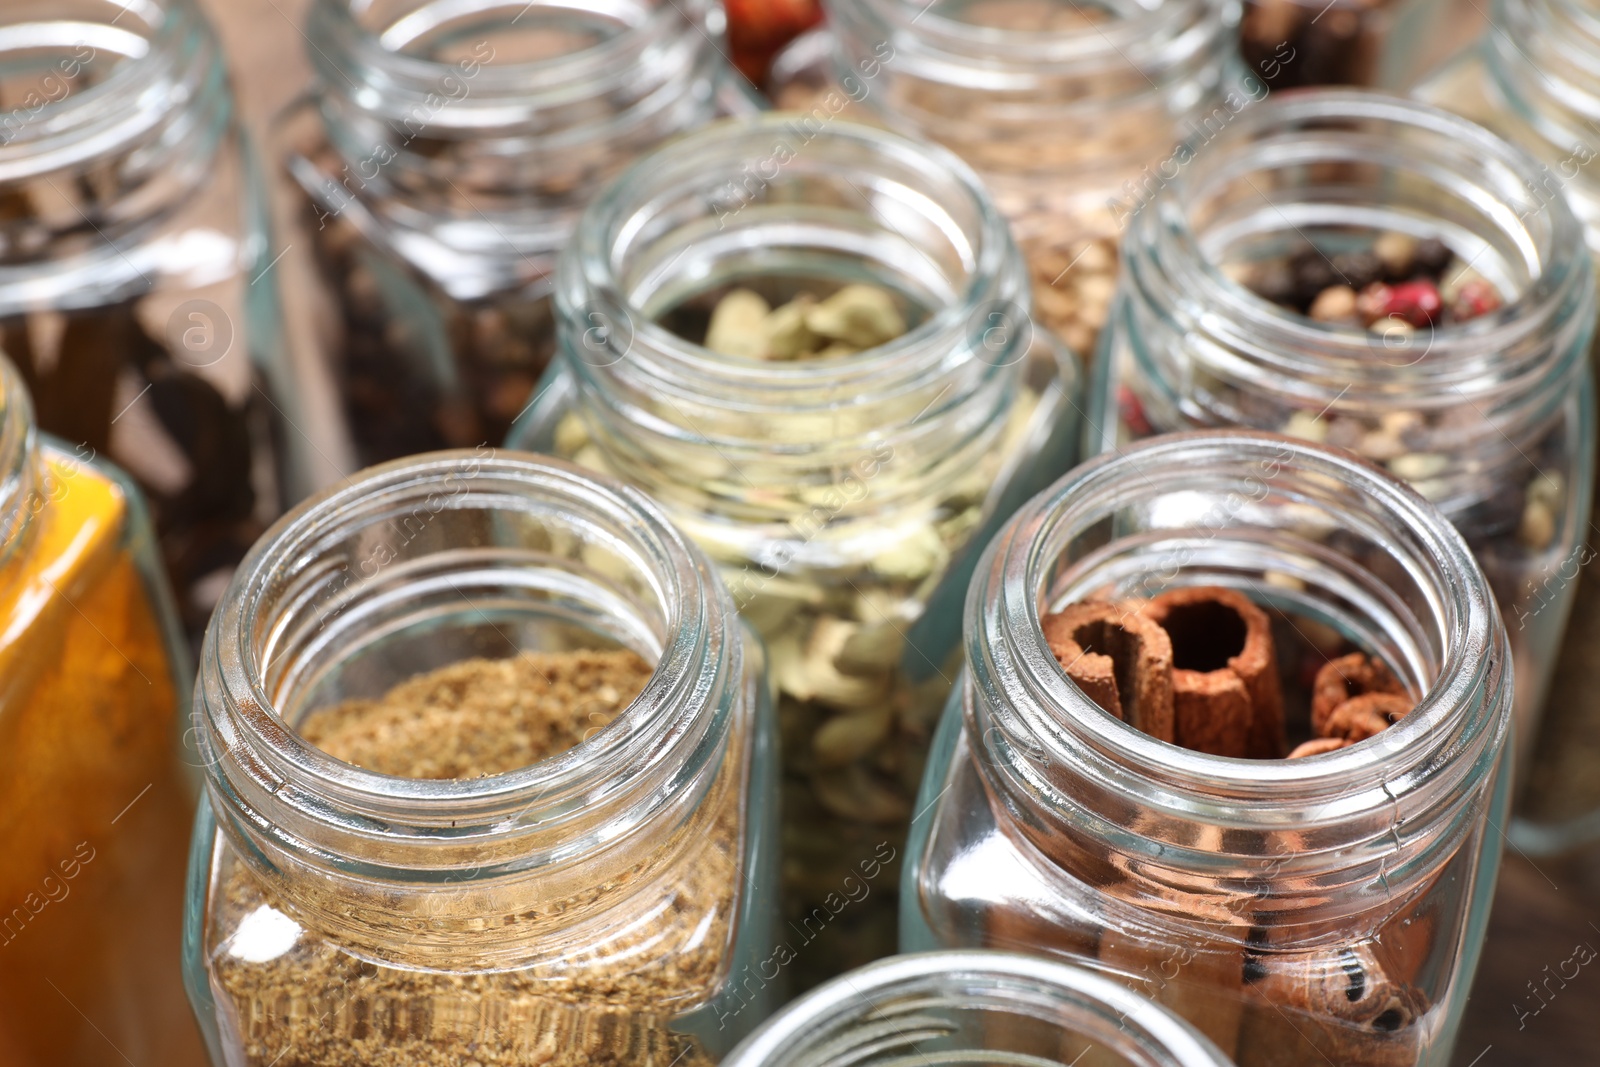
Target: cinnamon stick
<point>1226,695</point>
<point>1120,659</point>
<point>1348,676</point>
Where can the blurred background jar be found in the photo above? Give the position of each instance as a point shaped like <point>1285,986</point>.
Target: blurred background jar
<point>1068,111</point>
<point>135,295</point>
<point>1379,44</point>
<point>1357,269</point>
<point>441,159</point>
<point>973,1009</point>
<point>355,898</point>
<point>94,804</point>
<point>843,492</point>
<point>1532,78</point>
<point>1323,908</point>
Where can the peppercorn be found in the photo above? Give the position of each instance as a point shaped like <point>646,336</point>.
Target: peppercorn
<point>1477,296</point>
<point>1358,269</point>
<point>1432,256</point>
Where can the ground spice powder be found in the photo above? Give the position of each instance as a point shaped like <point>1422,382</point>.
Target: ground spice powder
<point>316,1005</point>
<point>94,812</point>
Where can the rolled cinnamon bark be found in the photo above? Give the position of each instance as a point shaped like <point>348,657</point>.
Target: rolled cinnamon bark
<point>1226,692</point>
<point>1120,659</point>
<point>1337,1005</point>
<point>1338,680</point>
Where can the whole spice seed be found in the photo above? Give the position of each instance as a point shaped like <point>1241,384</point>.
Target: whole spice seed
<point>312,1004</point>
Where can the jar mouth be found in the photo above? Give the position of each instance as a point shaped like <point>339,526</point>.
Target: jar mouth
<point>750,197</point>
<point>435,552</point>
<point>120,50</point>
<point>1540,56</point>
<point>1113,34</point>
<point>1364,160</point>
<point>1186,506</point>
<point>965,81</point>
<point>972,1003</point>
<point>525,57</point>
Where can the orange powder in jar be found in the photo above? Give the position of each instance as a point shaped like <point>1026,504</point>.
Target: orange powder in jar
<point>94,810</point>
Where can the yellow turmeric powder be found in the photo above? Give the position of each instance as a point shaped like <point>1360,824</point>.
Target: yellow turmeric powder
<point>94,810</point>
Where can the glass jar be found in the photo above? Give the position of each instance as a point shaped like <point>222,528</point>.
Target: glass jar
<point>1329,907</point>
<point>607,898</point>
<point>1071,113</point>
<point>1375,43</point>
<point>1532,79</point>
<point>844,498</point>
<point>1492,419</point>
<point>134,291</point>
<point>93,800</point>
<point>439,163</point>
<point>970,1009</point>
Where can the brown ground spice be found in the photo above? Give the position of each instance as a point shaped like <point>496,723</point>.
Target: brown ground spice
<point>481,716</point>
<point>316,1005</point>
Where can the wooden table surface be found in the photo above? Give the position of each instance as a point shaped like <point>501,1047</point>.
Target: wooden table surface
<point>1521,1012</point>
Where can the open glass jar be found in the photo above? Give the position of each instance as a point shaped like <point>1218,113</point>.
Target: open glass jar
<point>973,1009</point>
<point>94,803</point>
<point>844,496</point>
<point>417,894</point>
<point>440,162</point>
<point>1070,112</point>
<point>1324,907</point>
<point>132,249</point>
<point>1490,415</point>
<point>1532,78</point>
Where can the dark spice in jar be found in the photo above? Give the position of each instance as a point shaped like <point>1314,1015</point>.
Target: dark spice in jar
<point>314,1005</point>
<point>199,444</point>
<point>418,370</point>
<point>1339,43</point>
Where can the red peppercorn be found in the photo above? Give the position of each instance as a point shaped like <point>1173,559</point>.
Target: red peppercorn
<point>1476,297</point>
<point>1132,412</point>
<point>1416,303</point>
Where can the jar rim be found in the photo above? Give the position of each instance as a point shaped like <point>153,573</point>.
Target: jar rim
<point>1080,995</point>
<point>114,112</point>
<point>532,84</point>
<point>593,261</point>
<point>256,757</point>
<point>1460,710</point>
<point>1284,341</point>
<point>1136,32</point>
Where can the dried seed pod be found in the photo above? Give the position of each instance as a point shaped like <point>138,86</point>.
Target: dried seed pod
<point>846,738</point>
<point>787,335</point>
<point>738,325</point>
<point>1348,676</point>
<point>862,316</point>
<point>1120,659</point>
<point>1226,695</point>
